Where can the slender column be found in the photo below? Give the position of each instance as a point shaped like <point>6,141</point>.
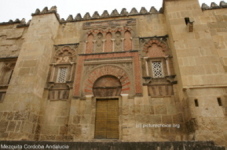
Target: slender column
<point>103,45</point>
<point>94,46</point>
<point>146,66</point>
<point>167,66</point>
<point>113,41</point>
<point>52,73</point>
<point>122,43</point>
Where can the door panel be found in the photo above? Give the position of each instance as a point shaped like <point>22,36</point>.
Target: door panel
<point>106,122</point>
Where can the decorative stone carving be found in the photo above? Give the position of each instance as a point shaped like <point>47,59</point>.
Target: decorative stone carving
<point>205,6</point>
<point>153,10</point>
<point>161,10</point>
<point>127,41</point>
<point>118,42</point>
<point>107,86</point>
<point>124,12</point>
<point>143,10</point>
<point>223,4</point>
<point>45,10</point>
<point>61,73</point>
<point>214,5</point>
<point>90,43</point>
<point>114,13</point>
<point>133,11</point>
<point>98,72</point>
<point>105,14</point>
<point>108,42</point>
<point>155,48</point>
<point>99,43</point>
<point>87,16</point>
<point>37,11</point>
<point>70,18</point>
<point>95,15</point>
<point>53,9</point>
<point>78,17</point>
<point>6,71</point>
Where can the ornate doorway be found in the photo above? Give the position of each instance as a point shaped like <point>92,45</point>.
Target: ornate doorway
<point>107,88</point>
<point>106,121</point>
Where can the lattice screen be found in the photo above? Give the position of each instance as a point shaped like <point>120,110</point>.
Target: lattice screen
<point>157,69</point>
<point>62,74</point>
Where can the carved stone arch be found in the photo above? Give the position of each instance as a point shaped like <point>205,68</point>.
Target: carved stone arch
<point>107,86</point>
<point>65,55</point>
<point>8,66</point>
<point>129,30</point>
<point>99,42</point>
<point>6,72</point>
<point>127,40</point>
<point>108,42</point>
<point>90,43</point>
<point>107,70</point>
<point>156,48</point>
<point>118,41</point>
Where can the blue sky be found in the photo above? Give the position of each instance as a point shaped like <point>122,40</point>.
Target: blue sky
<point>12,9</point>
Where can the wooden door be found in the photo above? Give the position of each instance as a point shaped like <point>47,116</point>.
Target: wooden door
<point>106,122</point>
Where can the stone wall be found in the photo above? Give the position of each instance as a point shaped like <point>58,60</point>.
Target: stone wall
<point>195,61</point>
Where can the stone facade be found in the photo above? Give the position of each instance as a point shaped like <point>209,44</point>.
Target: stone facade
<point>127,77</point>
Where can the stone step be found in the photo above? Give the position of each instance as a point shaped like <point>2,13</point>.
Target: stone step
<point>182,145</point>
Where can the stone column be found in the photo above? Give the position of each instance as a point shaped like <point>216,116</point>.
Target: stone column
<point>23,99</point>
<point>198,87</point>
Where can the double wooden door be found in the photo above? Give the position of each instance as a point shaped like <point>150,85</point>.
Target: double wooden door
<point>106,121</point>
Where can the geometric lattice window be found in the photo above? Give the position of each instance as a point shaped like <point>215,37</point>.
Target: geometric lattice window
<point>157,69</point>
<point>62,74</point>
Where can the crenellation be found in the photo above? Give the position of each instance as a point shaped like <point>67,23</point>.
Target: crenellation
<point>114,13</point>
<point>45,10</point>
<point>87,16</point>
<point>70,18</point>
<point>133,11</point>
<point>115,76</point>
<point>124,12</point>
<point>213,5</point>
<point>223,4</point>
<point>153,10</point>
<point>78,17</point>
<point>143,10</point>
<point>95,15</point>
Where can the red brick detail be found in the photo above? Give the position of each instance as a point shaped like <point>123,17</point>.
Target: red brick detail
<point>128,41</point>
<point>90,44</point>
<point>108,70</point>
<point>155,48</point>
<point>126,84</point>
<point>126,89</point>
<point>79,70</point>
<point>88,91</point>
<point>108,43</point>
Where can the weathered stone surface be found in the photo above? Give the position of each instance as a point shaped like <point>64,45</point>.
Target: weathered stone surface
<point>205,6</point>
<point>153,10</point>
<point>114,13</point>
<point>143,10</point>
<point>157,73</point>
<point>86,16</point>
<point>133,11</point>
<point>95,15</point>
<point>105,14</point>
<point>70,18</point>
<point>78,17</point>
<point>124,12</point>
